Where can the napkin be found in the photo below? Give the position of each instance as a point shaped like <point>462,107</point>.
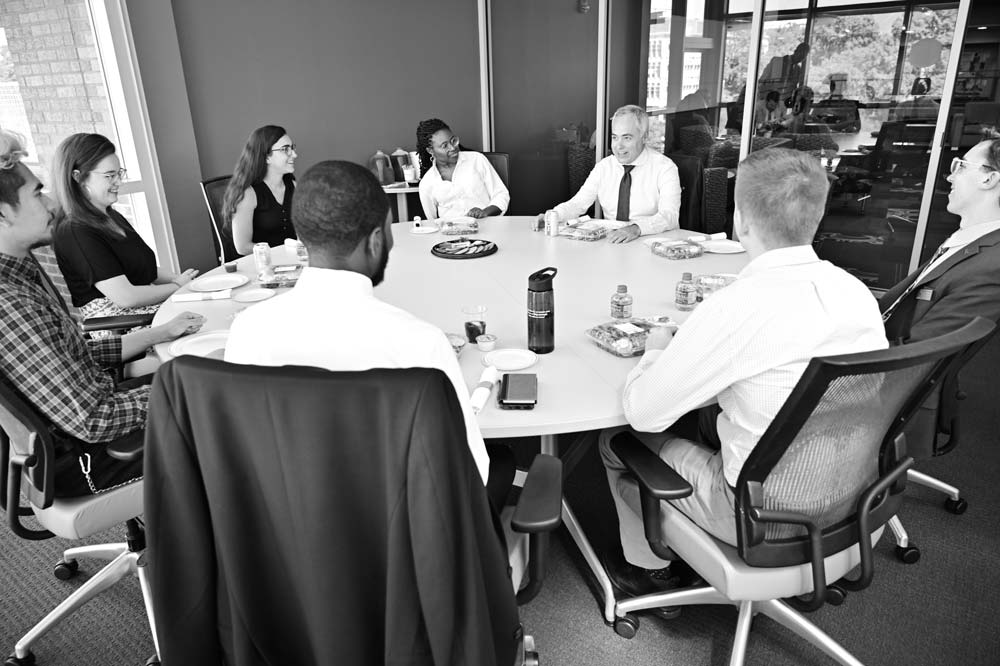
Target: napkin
<point>702,237</point>
<point>202,296</point>
<point>482,391</point>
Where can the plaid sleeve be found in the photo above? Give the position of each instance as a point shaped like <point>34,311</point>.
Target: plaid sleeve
<point>45,357</point>
<point>106,352</point>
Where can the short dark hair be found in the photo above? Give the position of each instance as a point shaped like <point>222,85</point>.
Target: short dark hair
<point>337,204</point>
<point>784,193</point>
<point>773,96</point>
<point>11,178</point>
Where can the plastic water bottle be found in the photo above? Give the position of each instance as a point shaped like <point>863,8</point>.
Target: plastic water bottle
<point>621,303</point>
<point>541,311</point>
<point>686,294</point>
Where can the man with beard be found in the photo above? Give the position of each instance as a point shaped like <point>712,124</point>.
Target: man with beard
<point>331,318</point>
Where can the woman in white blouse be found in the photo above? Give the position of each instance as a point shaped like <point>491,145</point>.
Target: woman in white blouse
<point>455,182</point>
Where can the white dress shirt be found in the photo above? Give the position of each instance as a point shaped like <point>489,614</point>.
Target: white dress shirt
<point>655,196</point>
<point>474,184</point>
<point>748,344</point>
<point>958,240</point>
<point>331,319</point>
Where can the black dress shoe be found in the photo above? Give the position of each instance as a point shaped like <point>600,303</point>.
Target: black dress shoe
<point>635,582</point>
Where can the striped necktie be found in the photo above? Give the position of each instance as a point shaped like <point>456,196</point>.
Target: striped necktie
<point>624,193</point>
<point>913,285</point>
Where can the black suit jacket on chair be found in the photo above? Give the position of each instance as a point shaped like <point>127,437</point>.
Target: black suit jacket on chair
<point>299,516</point>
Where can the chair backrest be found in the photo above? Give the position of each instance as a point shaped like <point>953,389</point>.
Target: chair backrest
<point>213,190</point>
<point>335,513</point>
<point>23,432</point>
<point>689,172</point>
<point>501,164</point>
<point>837,435</point>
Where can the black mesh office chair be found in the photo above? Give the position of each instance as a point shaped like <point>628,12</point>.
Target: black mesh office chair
<point>213,190</point>
<point>935,431</point>
<point>326,517</point>
<point>812,498</point>
<point>27,459</point>
<point>501,164</point>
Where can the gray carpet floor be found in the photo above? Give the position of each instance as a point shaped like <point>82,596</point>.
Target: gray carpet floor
<point>941,610</point>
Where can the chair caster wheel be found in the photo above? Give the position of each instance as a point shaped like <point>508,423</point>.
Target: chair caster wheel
<point>530,659</point>
<point>66,569</point>
<point>26,660</point>
<point>907,555</point>
<point>153,661</point>
<point>957,507</point>
<point>835,595</point>
<point>627,626</point>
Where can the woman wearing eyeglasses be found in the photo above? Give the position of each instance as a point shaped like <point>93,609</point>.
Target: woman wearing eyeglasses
<point>456,182</point>
<point>258,201</point>
<point>108,267</point>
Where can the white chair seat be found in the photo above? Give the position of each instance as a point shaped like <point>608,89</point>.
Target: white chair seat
<point>79,517</point>
<point>722,568</point>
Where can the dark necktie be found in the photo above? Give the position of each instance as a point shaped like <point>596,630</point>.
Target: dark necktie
<point>624,192</point>
<point>913,285</point>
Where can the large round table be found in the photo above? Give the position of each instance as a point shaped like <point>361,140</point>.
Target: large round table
<point>579,384</point>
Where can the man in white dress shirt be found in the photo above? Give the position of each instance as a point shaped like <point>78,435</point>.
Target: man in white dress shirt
<point>331,318</point>
<point>744,349</point>
<point>633,184</point>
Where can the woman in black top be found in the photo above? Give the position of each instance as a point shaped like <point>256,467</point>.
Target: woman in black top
<point>108,268</point>
<point>258,201</point>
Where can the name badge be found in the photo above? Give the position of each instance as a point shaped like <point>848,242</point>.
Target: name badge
<point>925,294</point>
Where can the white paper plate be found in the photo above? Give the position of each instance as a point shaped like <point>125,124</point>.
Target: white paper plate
<point>509,360</point>
<point>218,282</point>
<point>722,246</point>
<point>425,228</point>
<point>253,295</point>
<point>203,344</point>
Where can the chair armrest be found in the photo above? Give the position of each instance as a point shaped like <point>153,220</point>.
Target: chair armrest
<point>655,477</point>
<point>126,448</point>
<point>119,322</point>
<point>539,508</point>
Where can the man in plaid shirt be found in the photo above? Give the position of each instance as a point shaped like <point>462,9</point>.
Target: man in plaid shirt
<point>44,356</point>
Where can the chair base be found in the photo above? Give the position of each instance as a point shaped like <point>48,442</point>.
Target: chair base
<point>929,481</point>
<point>125,562</point>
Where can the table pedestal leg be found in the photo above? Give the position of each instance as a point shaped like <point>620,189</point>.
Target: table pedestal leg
<point>550,445</point>
<point>404,213</point>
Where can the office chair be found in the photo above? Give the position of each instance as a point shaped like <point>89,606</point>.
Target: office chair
<point>812,498</point>
<point>213,190</point>
<point>501,164</point>
<point>937,419</point>
<point>704,194</point>
<point>297,515</point>
<point>27,455</point>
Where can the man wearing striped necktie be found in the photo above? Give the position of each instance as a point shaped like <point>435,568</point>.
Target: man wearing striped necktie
<point>634,184</point>
<point>962,280</point>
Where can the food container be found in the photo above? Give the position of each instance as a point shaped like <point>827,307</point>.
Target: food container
<point>627,337</point>
<point>585,231</point>
<point>461,226</point>
<point>676,249</point>
<point>486,342</point>
<point>709,284</point>
<point>457,342</point>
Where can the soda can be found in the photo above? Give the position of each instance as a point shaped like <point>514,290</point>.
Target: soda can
<point>262,259</point>
<point>551,223</point>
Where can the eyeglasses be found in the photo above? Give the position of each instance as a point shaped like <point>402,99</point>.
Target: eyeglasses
<point>453,142</point>
<point>957,164</point>
<point>114,175</point>
<point>287,149</point>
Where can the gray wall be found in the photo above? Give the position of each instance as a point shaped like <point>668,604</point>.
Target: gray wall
<point>343,77</point>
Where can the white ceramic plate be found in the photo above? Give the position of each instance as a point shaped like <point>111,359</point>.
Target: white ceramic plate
<point>509,360</point>
<point>218,282</point>
<point>211,344</point>
<point>253,295</point>
<point>722,246</point>
<point>425,228</point>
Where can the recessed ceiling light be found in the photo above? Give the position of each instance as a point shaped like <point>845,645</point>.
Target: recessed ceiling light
<point>982,27</point>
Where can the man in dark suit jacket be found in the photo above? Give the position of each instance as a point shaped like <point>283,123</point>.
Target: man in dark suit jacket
<point>962,280</point>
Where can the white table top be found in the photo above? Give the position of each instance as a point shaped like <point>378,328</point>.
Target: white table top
<point>579,384</point>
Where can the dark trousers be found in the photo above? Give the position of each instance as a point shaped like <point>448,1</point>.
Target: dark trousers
<point>105,471</point>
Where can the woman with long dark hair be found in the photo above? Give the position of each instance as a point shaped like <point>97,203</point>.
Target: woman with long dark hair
<point>258,201</point>
<point>108,267</point>
<point>456,182</point>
